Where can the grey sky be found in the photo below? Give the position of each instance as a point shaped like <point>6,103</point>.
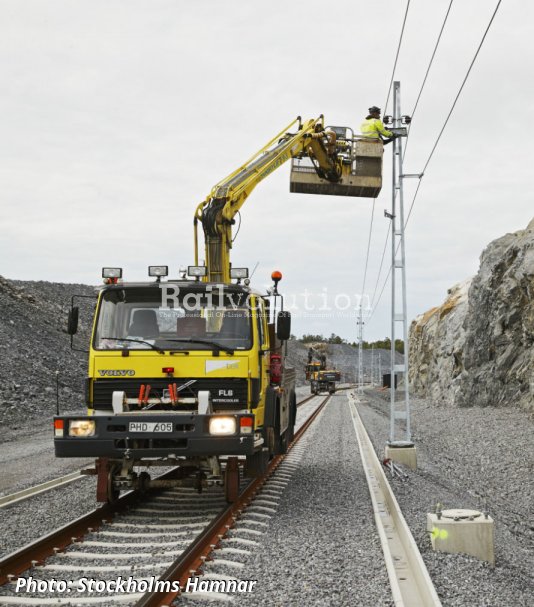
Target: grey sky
<point>119,116</point>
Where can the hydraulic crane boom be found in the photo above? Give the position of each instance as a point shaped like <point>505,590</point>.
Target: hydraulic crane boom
<point>217,212</point>
<point>231,395</point>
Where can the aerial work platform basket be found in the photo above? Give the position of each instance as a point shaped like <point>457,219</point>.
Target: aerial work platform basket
<point>360,167</point>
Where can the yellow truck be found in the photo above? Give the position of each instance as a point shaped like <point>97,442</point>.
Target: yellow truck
<point>189,371</point>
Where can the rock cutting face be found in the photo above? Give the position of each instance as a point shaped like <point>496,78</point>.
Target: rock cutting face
<point>476,349</point>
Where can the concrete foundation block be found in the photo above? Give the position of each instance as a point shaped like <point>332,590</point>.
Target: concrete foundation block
<point>402,455</point>
<point>466,531</point>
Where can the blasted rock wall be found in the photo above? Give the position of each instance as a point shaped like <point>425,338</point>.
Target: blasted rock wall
<point>437,340</point>
<point>478,347</point>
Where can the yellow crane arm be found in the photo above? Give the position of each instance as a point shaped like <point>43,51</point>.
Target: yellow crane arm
<point>226,198</point>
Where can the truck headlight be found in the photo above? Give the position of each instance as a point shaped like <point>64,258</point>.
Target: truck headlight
<point>82,427</point>
<point>222,426</point>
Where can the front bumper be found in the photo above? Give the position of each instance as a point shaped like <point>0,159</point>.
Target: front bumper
<point>189,437</point>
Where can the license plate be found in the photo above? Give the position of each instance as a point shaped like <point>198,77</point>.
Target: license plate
<point>150,426</point>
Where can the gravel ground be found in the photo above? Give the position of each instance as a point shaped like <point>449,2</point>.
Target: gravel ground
<point>463,454</point>
<point>24,522</point>
<point>30,460</point>
<point>321,547</point>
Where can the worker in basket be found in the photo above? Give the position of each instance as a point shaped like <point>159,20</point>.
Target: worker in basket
<point>373,127</point>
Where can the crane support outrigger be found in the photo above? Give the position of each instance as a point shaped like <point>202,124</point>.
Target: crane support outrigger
<point>189,372</point>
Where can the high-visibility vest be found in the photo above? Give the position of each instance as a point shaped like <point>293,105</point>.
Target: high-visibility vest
<point>371,127</point>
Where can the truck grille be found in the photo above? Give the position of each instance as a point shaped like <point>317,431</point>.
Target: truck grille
<point>227,394</point>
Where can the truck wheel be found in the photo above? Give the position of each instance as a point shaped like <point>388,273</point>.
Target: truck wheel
<point>277,443</point>
<point>292,418</point>
<point>256,464</point>
<point>231,480</point>
<point>283,443</point>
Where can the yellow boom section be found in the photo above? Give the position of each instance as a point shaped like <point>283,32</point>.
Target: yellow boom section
<point>226,198</point>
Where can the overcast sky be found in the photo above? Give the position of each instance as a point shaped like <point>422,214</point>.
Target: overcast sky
<point>119,116</point>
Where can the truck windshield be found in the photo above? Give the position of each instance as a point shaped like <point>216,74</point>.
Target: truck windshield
<point>137,318</point>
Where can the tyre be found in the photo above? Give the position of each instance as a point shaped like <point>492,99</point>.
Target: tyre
<point>276,441</point>
<point>292,417</point>
<point>256,464</point>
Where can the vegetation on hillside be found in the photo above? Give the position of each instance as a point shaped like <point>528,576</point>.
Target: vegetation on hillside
<point>384,344</point>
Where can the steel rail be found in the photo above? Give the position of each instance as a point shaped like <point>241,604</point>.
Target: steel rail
<point>305,400</point>
<point>410,581</point>
<point>38,551</point>
<point>189,563</point>
<point>308,398</point>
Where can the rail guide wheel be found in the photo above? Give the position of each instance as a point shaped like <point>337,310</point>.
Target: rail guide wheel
<point>106,473</point>
<point>113,492</point>
<point>231,480</point>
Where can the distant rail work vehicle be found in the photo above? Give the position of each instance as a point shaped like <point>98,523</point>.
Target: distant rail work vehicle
<point>321,379</point>
<point>190,372</point>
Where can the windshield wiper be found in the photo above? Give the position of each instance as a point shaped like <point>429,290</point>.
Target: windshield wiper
<point>139,341</point>
<point>192,340</point>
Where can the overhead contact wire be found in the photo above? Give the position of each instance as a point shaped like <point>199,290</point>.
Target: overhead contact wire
<point>427,72</point>
<point>381,264</point>
<point>440,135</point>
<point>396,57</point>
<point>368,247</point>
<point>452,108</point>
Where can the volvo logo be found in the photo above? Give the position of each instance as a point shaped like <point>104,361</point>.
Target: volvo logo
<point>116,373</point>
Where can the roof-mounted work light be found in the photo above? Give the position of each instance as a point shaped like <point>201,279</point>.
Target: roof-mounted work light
<point>197,271</point>
<point>111,276</point>
<point>158,271</point>
<point>111,272</point>
<point>239,273</point>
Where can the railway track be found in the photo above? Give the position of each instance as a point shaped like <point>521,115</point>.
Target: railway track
<point>168,541</point>
<point>155,535</point>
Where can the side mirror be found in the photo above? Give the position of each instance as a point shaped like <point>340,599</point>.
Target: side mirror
<point>283,325</point>
<point>72,322</point>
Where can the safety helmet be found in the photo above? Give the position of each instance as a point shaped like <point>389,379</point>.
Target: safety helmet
<point>374,110</point>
